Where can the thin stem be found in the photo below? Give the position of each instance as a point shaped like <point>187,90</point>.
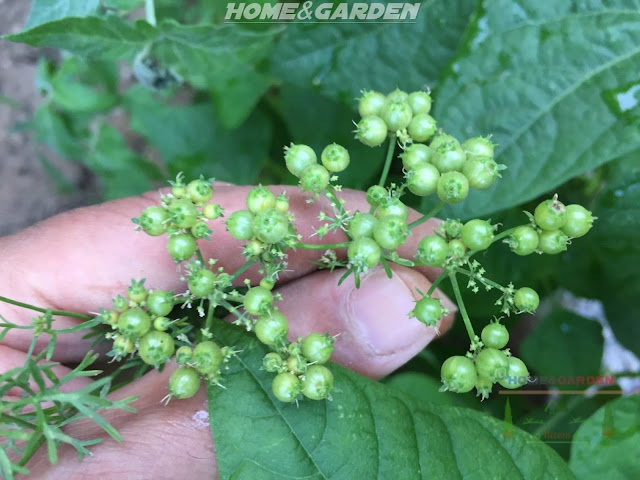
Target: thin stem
<point>242,269</point>
<point>150,10</point>
<point>427,216</point>
<point>209,321</point>
<point>502,235</point>
<point>485,281</point>
<point>322,246</point>
<point>463,310</point>
<point>30,450</point>
<point>387,162</point>
<point>200,256</point>
<point>330,194</point>
<point>437,282</point>
<point>64,313</point>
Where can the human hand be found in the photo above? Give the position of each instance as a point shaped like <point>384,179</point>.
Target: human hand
<point>78,260</point>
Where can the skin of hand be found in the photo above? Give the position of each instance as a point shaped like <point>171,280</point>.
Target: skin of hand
<point>78,260</point>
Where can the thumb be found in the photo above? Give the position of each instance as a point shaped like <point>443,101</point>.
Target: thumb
<point>374,332</point>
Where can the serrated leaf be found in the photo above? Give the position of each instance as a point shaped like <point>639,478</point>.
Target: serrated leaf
<point>109,38</point>
<point>538,77</point>
<point>572,347</point>
<point>367,431</point>
<point>43,11</point>
<point>607,445</point>
<point>341,59</point>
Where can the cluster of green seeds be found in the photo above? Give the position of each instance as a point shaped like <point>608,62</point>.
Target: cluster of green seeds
<point>433,163</point>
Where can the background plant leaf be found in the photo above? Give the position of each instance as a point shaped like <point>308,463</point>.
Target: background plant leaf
<point>616,248</point>
<point>108,38</point>
<point>123,172</point>
<point>367,431</point>
<point>339,60</point>
<point>572,347</point>
<point>191,140</point>
<point>53,130</point>
<point>43,11</point>
<point>317,121</point>
<point>208,55</point>
<point>545,80</point>
<point>607,445</point>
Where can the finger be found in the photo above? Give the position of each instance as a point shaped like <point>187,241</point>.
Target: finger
<point>80,259</point>
<point>160,442</point>
<point>374,332</point>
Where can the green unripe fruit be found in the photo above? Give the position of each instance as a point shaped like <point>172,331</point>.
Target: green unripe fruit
<point>298,158</point>
<point>260,199</point>
<point>184,382</point>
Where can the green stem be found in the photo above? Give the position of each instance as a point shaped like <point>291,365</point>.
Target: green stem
<point>502,235</point>
<point>387,162</point>
<point>437,282</point>
<point>64,313</point>
<point>30,450</point>
<point>209,321</point>
<point>330,194</point>
<point>485,281</point>
<point>427,216</point>
<point>200,256</point>
<point>242,269</point>
<point>463,310</point>
<point>322,246</point>
<point>150,10</point>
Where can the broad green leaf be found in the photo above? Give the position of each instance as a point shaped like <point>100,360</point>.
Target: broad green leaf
<point>617,229</point>
<point>607,445</point>
<point>122,171</point>
<point>615,245</point>
<point>572,347</point>
<point>79,97</point>
<point>43,11</point>
<point>339,60</point>
<point>191,139</point>
<point>427,389</point>
<point>551,81</point>
<point>236,97</point>
<point>109,38</point>
<point>53,130</point>
<point>367,431</point>
<point>317,121</point>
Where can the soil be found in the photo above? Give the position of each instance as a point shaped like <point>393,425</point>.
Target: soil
<point>28,193</point>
